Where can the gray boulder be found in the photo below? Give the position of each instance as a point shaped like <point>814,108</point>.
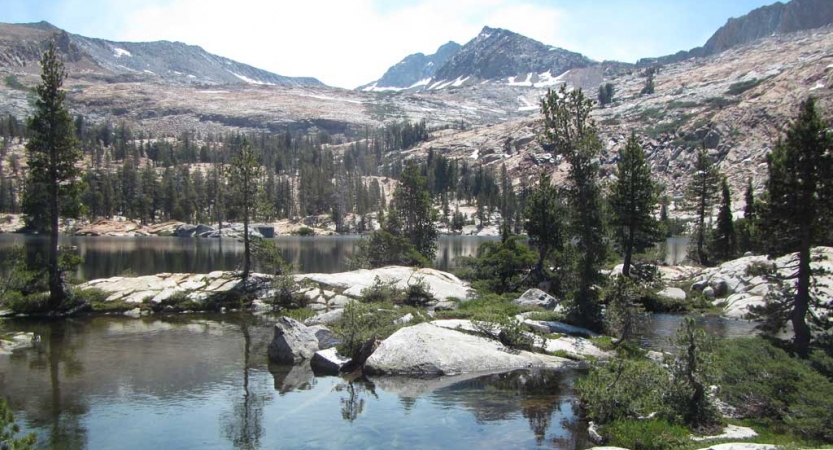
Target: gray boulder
<point>294,342</point>
<point>185,231</point>
<point>202,229</point>
<point>536,297</point>
<point>426,349</point>
<point>699,286</point>
<point>325,318</point>
<point>328,362</point>
<point>672,293</point>
<point>708,292</point>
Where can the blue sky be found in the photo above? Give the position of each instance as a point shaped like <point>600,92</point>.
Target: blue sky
<point>350,42</point>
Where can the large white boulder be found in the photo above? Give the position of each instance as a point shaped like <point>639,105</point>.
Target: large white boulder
<point>427,349</point>
<point>536,297</point>
<point>442,285</point>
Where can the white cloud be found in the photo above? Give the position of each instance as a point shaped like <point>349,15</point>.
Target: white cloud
<point>343,43</point>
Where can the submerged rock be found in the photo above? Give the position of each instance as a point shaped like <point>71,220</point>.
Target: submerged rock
<point>426,349</point>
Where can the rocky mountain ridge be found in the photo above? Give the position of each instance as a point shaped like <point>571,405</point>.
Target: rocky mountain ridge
<point>414,71</point>
<point>161,61</point>
<point>777,18</point>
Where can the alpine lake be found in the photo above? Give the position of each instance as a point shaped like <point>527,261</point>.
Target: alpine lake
<point>204,380</point>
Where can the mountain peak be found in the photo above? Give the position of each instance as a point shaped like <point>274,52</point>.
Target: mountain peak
<point>414,71</point>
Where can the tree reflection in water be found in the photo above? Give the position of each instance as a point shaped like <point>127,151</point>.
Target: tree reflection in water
<point>243,425</point>
<point>356,390</point>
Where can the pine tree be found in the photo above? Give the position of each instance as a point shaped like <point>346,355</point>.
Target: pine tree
<point>413,203</point>
<point>700,194</point>
<point>724,243</point>
<point>633,197</point>
<point>570,132</point>
<point>797,215</point>
<point>545,221</point>
<point>244,175</point>
<point>52,186</point>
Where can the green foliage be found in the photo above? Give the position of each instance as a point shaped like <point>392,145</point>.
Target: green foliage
<point>362,321</point>
<point>743,86</point>
<point>720,102</point>
<point>623,389</point>
<point>304,231</point>
<point>765,383</point>
<point>383,248</point>
<point>484,308</point>
<point>650,114</point>
<point>723,240</point>
<point>569,131</point>
<point>649,75</point>
<point>633,198</point>
<point>299,314</point>
<point>624,315</point>
<point>52,186</point>
<point>700,195</point>
<point>654,434</point>
<point>505,329</point>
<point>413,204</point>
<point>244,175</point>
<point>606,92</point>
<point>499,266</point>
<point>692,370</point>
<point>545,221</point>
<point>417,293</point>
<point>9,431</point>
<point>798,213</point>
<point>14,83</point>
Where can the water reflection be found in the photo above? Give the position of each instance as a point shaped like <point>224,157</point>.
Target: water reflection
<point>204,381</point>
<point>659,329</point>
<point>112,256</point>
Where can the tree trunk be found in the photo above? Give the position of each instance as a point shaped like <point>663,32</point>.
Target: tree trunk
<point>801,304</point>
<point>626,269</point>
<point>56,287</point>
<point>247,253</point>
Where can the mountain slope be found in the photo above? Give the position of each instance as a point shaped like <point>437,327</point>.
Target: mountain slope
<point>778,18</point>
<point>496,53</point>
<point>413,71</point>
<point>21,45</point>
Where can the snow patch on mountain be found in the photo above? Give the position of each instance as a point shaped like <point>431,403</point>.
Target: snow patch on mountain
<point>119,52</point>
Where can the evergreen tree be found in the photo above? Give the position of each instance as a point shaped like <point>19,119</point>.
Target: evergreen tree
<point>413,203</point>
<point>799,195</point>
<point>52,185</point>
<point>749,197</point>
<point>723,240</point>
<point>634,196</point>
<point>746,228</point>
<point>545,221</point>
<point>606,94</point>
<point>244,175</point>
<point>700,194</point>
<point>570,132</point>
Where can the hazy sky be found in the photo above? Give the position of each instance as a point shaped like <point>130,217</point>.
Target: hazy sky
<point>347,43</point>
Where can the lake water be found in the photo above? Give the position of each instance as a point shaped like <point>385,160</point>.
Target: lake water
<point>203,381</point>
<point>111,256</point>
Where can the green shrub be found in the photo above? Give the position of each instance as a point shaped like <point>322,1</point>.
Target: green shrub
<point>37,303</point>
<point>625,389</point>
<point>720,102</point>
<point>743,86</point>
<point>304,231</point>
<point>692,370</point>
<point>655,434</point>
<point>361,321</point>
<point>9,430</point>
<point>766,383</point>
<point>760,269</point>
<point>14,83</point>
<point>485,307</point>
<point>507,330</point>
<point>381,291</point>
<point>299,314</point>
<point>385,249</point>
<point>500,266</point>
<point>418,293</point>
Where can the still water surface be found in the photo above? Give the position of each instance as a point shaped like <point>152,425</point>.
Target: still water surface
<point>111,256</point>
<point>203,381</point>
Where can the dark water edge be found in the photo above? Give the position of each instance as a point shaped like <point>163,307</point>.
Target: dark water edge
<point>113,256</point>
<point>203,381</point>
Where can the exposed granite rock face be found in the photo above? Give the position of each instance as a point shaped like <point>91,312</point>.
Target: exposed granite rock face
<point>294,342</point>
<point>497,53</point>
<point>776,18</point>
<point>536,297</point>
<point>427,349</point>
<point>413,69</point>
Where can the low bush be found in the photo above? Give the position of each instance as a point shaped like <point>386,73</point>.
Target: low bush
<point>362,321</point>
<point>743,86</point>
<point>625,389</point>
<point>766,383</point>
<point>304,231</point>
<point>484,307</point>
<point>655,434</point>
